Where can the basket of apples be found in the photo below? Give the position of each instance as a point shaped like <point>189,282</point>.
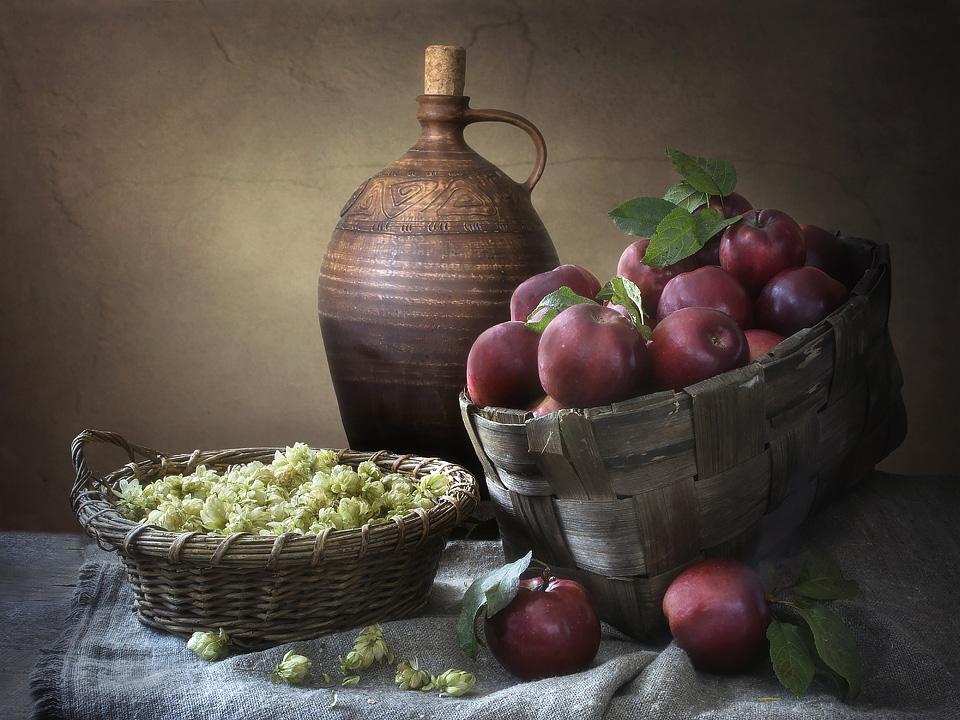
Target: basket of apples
<point>734,377</point>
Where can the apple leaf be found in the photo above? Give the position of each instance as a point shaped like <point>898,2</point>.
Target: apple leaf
<point>624,292</point>
<point>642,215</point>
<point>792,653</point>
<point>708,175</point>
<point>680,235</point>
<point>836,646</point>
<point>552,305</point>
<point>684,195</point>
<point>820,578</point>
<point>494,590</point>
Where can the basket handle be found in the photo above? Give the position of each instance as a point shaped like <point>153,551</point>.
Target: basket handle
<point>85,478</point>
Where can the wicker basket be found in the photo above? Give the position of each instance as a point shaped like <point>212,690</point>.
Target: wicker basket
<point>268,590</point>
<point>622,498</point>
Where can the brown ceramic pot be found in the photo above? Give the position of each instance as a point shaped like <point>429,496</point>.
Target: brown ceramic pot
<point>425,257</point>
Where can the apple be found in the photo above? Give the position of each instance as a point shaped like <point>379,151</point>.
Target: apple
<point>798,298</point>
<point>502,366</point>
<point>527,295</point>
<point>825,250</point>
<point>650,280</point>
<point>730,206</point>
<point>709,286</point>
<point>760,245</point>
<point>762,341</point>
<point>546,406</point>
<point>693,344</point>
<point>550,628</point>
<point>718,614</point>
<point>592,355</point>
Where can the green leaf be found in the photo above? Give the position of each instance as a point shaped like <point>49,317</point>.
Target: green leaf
<point>642,215</point>
<point>494,590</point>
<point>552,305</point>
<point>708,175</point>
<point>623,291</point>
<point>835,645</point>
<point>820,578</point>
<point>684,195</point>
<point>674,239</point>
<point>791,651</point>
<point>710,222</point>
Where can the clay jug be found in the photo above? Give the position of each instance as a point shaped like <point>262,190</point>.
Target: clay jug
<point>424,258</point>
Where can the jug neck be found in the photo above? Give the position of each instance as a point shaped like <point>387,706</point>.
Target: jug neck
<point>441,122</point>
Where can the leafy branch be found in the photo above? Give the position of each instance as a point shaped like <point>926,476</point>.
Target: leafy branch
<point>821,641</point>
<point>674,231</point>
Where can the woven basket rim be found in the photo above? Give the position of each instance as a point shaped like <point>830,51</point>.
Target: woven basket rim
<point>101,519</point>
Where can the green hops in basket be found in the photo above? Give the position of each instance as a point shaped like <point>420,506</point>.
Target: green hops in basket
<point>302,490</point>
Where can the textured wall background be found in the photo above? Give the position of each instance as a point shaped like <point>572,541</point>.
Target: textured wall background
<point>170,173</point>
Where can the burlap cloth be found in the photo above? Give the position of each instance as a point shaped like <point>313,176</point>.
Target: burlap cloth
<point>898,539</point>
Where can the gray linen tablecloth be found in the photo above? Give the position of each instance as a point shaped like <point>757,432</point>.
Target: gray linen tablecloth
<point>900,543</point>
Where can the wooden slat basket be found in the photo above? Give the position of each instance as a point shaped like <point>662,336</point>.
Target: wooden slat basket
<point>622,498</point>
<point>268,590</point>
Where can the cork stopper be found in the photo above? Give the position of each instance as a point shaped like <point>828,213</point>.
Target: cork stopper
<point>444,70</point>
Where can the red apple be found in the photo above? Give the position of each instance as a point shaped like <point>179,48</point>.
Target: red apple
<point>762,341</point>
<point>730,206</point>
<point>718,614</point>
<point>798,298</point>
<point>760,245</point>
<point>502,366</point>
<point>546,406</point>
<point>592,355</point>
<point>825,250</point>
<point>649,279</point>
<point>710,286</point>
<point>528,294</point>
<point>550,628</point>
<point>693,344</point>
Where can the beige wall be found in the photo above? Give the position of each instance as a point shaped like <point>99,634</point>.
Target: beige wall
<point>170,173</point>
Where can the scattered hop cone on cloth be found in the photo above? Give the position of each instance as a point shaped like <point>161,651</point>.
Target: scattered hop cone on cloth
<point>410,677</point>
<point>455,682</point>
<point>210,646</point>
<point>292,669</point>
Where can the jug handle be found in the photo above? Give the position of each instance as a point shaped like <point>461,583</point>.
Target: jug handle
<point>471,115</point>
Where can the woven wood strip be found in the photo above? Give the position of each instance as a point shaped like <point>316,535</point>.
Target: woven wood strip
<point>728,419</point>
<point>733,500</point>
<point>794,455</point>
<point>565,449</point>
<point>849,347</point>
<point>637,430</point>
<point>652,472</point>
<point>669,524</point>
<point>602,535</point>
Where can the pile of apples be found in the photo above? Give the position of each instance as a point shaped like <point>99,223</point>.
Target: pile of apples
<point>737,296</point>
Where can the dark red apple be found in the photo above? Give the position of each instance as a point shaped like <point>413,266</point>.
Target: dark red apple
<point>825,250</point>
<point>592,355</point>
<point>730,206</point>
<point>502,366</point>
<point>550,628</point>
<point>710,286</point>
<point>760,245</point>
<point>798,298</point>
<point>718,614</point>
<point>762,341</point>
<point>693,344</point>
<point>528,294</point>
<point>546,406</point>
<point>650,280</point>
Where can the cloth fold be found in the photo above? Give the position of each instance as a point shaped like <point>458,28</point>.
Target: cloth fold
<point>106,664</point>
